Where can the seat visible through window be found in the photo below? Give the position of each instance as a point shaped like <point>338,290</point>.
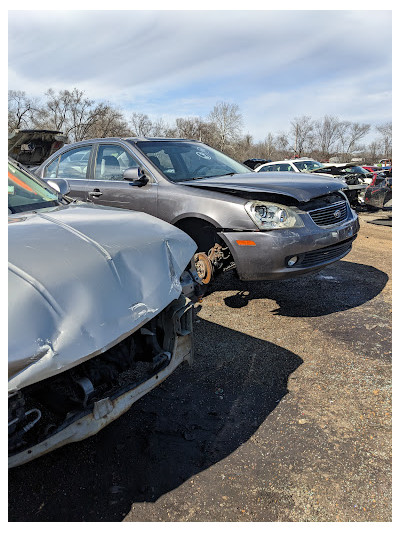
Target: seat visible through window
<point>110,168</point>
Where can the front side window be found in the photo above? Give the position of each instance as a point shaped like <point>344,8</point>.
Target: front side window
<point>356,170</point>
<point>111,162</point>
<point>185,160</point>
<point>27,194</point>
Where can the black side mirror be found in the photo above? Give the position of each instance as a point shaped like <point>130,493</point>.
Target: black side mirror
<point>136,176</point>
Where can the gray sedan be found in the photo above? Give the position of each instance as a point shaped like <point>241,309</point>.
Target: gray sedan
<point>262,224</point>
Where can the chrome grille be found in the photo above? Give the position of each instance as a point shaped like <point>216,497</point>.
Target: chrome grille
<point>327,216</point>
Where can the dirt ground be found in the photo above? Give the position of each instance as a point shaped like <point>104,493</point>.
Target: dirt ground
<point>285,414</point>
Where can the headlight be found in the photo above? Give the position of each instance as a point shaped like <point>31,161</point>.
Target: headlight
<point>272,216</point>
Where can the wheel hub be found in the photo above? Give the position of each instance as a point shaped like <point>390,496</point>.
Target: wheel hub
<point>204,267</point>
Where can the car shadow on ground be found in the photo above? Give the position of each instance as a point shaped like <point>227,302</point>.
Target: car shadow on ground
<point>343,285</point>
<point>386,221</point>
<point>196,418</point>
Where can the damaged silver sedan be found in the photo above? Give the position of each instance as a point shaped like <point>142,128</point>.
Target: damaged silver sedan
<point>100,313</point>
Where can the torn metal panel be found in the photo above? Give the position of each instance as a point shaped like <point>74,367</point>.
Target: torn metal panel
<point>83,278</point>
<point>104,411</point>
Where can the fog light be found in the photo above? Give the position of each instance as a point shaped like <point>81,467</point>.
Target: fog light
<point>292,261</point>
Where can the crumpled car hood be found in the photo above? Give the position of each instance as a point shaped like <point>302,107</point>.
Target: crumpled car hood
<point>333,166</point>
<point>82,278</point>
<point>301,187</point>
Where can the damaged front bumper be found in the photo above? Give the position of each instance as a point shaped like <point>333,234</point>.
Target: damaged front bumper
<point>265,255</point>
<point>98,409</point>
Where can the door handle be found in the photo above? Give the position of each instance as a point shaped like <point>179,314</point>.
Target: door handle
<point>95,193</point>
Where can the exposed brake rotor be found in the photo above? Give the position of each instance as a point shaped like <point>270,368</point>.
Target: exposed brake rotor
<point>204,267</point>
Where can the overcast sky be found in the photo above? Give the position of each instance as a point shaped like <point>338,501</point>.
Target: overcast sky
<point>276,65</point>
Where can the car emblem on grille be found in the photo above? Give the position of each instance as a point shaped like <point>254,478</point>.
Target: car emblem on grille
<point>337,213</point>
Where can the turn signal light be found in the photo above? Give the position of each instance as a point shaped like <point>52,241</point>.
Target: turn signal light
<point>246,243</point>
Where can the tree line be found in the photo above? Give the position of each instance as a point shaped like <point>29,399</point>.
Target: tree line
<point>80,117</point>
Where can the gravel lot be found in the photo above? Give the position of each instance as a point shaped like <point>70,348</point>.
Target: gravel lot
<point>284,416</point>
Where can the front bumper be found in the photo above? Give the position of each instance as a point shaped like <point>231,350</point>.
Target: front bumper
<point>267,258</point>
<point>89,421</point>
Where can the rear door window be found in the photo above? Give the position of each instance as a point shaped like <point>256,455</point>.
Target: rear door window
<point>268,168</point>
<point>284,167</point>
<point>70,165</point>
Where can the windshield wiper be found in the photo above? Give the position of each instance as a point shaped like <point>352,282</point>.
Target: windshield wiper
<point>212,176</point>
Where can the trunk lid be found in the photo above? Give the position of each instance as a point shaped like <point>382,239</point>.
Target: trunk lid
<point>32,147</point>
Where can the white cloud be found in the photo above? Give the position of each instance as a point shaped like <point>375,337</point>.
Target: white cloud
<point>344,98</point>
<point>274,64</point>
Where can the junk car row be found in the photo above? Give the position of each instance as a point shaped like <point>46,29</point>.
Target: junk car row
<point>102,279</point>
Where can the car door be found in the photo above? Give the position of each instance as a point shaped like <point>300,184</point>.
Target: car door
<point>381,192</point>
<point>108,186</point>
<point>74,166</point>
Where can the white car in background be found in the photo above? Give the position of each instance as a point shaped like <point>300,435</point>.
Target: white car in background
<point>291,165</point>
<point>356,178</point>
<point>310,165</point>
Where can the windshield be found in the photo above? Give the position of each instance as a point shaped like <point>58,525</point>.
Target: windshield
<point>356,170</point>
<point>305,166</point>
<point>185,160</point>
<point>25,193</point>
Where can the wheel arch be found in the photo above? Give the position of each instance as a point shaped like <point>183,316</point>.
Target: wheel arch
<point>203,230</point>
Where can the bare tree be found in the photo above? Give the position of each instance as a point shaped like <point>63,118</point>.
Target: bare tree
<point>197,128</point>
<point>160,128</point>
<point>326,134</point>
<point>208,133</point>
<point>374,149</point>
<point>80,117</point>
<point>228,122</point>
<point>282,143</point>
<point>301,130</point>
<point>242,149</point>
<point>385,131</point>
<point>349,134</point>
<point>269,144</point>
<point>56,109</point>
<point>70,112</point>
<point>142,125</point>
<point>189,128</point>
<point>109,122</point>
<point>21,110</point>
<point>170,131</point>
